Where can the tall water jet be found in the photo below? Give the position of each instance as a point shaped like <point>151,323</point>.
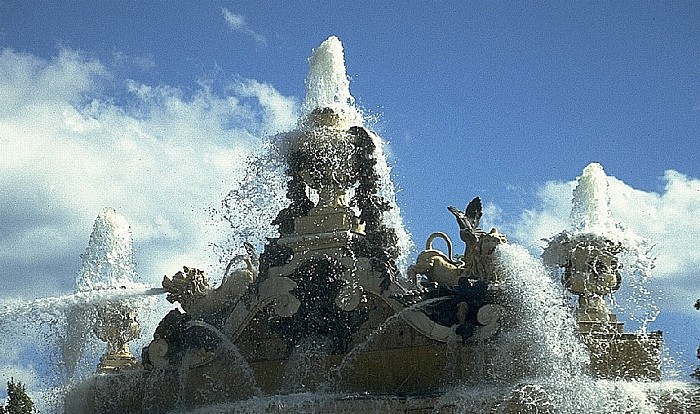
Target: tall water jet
<point>328,86</point>
<point>590,210</point>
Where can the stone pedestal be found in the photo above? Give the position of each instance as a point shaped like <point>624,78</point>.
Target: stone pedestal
<point>598,323</point>
<point>625,356</point>
<point>325,219</point>
<point>115,362</point>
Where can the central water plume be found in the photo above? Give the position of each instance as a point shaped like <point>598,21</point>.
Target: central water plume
<point>328,86</point>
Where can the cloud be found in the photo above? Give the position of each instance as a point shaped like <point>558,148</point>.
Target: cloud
<point>237,23</point>
<point>669,219</point>
<point>162,161</point>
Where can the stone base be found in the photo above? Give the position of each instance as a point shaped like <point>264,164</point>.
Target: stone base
<point>107,393</point>
<point>627,356</point>
<point>327,219</point>
<point>601,322</point>
<point>112,363</point>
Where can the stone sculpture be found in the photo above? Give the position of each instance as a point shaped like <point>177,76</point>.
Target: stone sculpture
<point>190,287</point>
<point>462,288</point>
<point>186,286</point>
<point>477,261</point>
<point>437,266</point>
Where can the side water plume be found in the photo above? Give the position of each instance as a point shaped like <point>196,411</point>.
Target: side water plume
<point>62,326</point>
<point>108,261</point>
<point>541,338</point>
<point>108,265</point>
<point>591,213</point>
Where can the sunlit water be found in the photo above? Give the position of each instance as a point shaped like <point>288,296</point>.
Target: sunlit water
<point>539,332</point>
<point>52,337</point>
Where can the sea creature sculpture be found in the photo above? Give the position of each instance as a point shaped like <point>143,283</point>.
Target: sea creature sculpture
<point>477,262</point>
<point>191,287</point>
<point>436,265</point>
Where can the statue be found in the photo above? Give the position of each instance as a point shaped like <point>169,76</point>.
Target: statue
<point>463,285</point>
<point>479,245</point>
<point>477,262</point>
<point>187,287</point>
<point>436,265</point>
<point>191,287</point>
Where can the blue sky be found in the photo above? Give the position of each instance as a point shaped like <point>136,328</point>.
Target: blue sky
<point>150,107</point>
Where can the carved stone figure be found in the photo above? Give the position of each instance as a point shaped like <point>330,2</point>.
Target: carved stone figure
<point>479,245</point>
<point>191,287</point>
<point>436,265</point>
<point>237,278</point>
<point>186,286</point>
<point>477,262</point>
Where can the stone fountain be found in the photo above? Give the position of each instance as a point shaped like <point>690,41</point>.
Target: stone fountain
<point>107,266</point>
<point>323,320</point>
<point>589,255</point>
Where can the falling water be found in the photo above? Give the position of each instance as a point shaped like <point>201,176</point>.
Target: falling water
<point>545,326</point>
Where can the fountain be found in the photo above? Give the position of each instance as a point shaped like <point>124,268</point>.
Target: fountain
<point>324,319</point>
<point>589,254</point>
<point>103,307</point>
<point>107,266</point>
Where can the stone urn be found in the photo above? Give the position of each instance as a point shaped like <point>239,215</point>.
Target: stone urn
<point>116,325</point>
<point>325,155</point>
<point>591,271</point>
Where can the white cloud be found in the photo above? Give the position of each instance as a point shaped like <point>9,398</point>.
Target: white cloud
<point>669,219</point>
<point>161,162</point>
<point>237,23</point>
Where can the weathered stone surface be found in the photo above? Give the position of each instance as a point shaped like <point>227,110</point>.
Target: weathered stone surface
<point>626,356</point>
